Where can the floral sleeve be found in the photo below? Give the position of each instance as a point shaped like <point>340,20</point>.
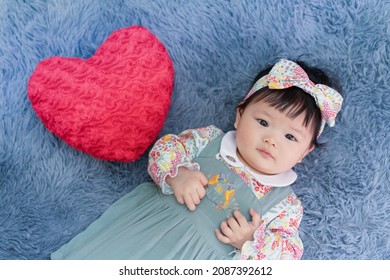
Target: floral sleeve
<point>277,237</point>
<point>172,151</point>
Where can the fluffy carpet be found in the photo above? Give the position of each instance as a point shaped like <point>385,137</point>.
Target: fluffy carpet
<point>49,192</point>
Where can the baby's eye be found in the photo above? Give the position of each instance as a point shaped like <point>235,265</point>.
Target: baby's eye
<point>290,137</point>
<point>263,123</point>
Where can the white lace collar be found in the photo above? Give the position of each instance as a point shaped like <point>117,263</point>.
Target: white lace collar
<point>228,152</point>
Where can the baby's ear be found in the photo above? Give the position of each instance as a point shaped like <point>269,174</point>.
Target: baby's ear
<point>311,148</point>
<point>238,117</point>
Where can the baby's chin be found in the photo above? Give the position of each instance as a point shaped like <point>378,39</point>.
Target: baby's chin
<point>264,171</point>
<point>269,171</point>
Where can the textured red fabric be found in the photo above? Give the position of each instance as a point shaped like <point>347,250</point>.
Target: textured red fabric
<point>111,105</point>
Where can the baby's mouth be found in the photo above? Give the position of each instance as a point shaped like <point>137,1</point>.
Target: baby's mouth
<point>265,153</point>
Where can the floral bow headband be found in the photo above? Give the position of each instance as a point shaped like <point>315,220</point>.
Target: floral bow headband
<point>286,74</point>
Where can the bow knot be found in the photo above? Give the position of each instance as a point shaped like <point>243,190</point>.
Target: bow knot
<point>286,74</point>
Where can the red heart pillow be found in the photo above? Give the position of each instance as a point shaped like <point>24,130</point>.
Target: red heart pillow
<point>111,105</point>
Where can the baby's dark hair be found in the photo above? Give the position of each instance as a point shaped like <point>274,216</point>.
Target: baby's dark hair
<point>293,100</point>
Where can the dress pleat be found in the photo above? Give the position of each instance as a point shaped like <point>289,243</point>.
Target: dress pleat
<point>140,225</point>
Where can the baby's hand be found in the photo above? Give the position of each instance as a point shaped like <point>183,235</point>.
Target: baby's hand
<point>188,187</point>
<point>237,230</point>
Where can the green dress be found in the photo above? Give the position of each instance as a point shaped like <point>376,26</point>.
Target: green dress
<point>147,224</point>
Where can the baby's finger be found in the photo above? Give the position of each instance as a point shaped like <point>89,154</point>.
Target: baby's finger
<point>189,202</point>
<point>222,237</point>
<point>203,179</point>
<point>201,192</point>
<point>256,220</point>
<point>179,199</point>
<point>195,198</point>
<point>233,224</point>
<point>240,218</point>
<point>226,230</point>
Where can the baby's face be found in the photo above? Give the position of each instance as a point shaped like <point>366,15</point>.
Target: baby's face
<point>270,142</point>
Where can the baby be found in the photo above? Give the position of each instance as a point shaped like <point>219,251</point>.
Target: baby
<point>223,196</point>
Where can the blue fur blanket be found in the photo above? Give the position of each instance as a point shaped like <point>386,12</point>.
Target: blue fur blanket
<point>49,192</point>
